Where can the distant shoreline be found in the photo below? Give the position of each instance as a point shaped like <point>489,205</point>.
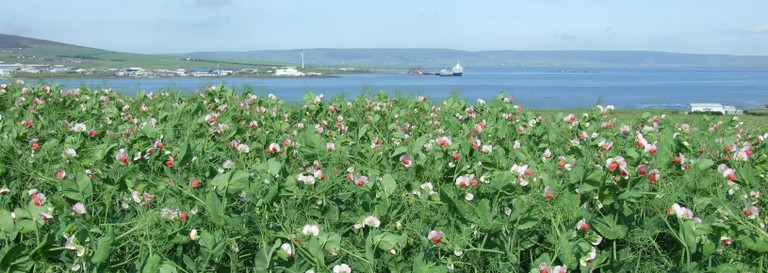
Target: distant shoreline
<point>40,76</point>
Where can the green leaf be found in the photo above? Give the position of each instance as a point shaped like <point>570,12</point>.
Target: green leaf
<point>100,152</point>
<point>233,181</point>
<point>399,151</point>
<point>6,222</point>
<point>28,219</point>
<point>361,132</point>
<point>185,156</point>
<point>152,264</point>
<point>703,164</point>
<point>386,241</point>
<point>421,265</point>
<point>485,214</point>
<point>331,241</point>
<point>168,267</point>
<point>608,228</point>
<point>527,222</point>
<point>12,255</point>
<point>388,184</point>
<point>103,248</point>
<point>273,167</point>
<point>688,235</point>
<point>756,243</point>
<point>214,208</point>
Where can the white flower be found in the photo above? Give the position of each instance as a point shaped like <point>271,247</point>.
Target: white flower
<point>469,196</point>
<point>342,268</point>
<point>193,235</point>
<point>78,208</point>
<point>311,230</point>
<point>243,148</point>
<point>69,152</point>
<point>306,179</point>
<point>589,258</point>
<point>287,248</point>
<point>228,164</point>
<point>78,127</point>
<point>371,221</point>
<point>487,149</point>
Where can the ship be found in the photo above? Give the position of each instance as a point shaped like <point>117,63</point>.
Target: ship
<point>416,71</point>
<point>458,70</point>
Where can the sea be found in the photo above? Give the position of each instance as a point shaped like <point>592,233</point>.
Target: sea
<point>532,87</point>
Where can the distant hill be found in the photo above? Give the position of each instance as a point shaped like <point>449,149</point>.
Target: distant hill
<point>448,57</point>
<point>11,41</point>
<point>18,49</point>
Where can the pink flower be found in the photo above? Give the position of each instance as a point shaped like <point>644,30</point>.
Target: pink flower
<point>751,211</point>
<point>45,216</point>
<point>443,141</point>
<point>194,183</point>
<point>435,236</point>
<point>360,180</point>
<point>582,225</point>
<point>464,181</point>
<point>193,235</point>
<point>548,194</point>
<point>725,240</point>
<point>406,160</point>
<point>654,176</point>
<point>60,174</point>
<point>273,148</point>
<point>122,156</point>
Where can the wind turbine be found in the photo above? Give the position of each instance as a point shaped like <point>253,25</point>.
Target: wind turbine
<point>302,59</point>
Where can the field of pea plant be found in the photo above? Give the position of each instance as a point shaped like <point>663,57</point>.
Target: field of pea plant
<point>217,181</point>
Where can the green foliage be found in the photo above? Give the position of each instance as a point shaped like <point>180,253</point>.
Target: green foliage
<point>221,182</point>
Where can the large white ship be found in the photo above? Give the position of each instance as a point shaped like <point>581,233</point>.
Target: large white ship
<point>458,70</point>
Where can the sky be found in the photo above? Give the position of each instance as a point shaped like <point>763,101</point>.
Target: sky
<point>182,26</point>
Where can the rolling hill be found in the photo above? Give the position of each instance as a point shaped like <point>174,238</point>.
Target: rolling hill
<point>448,57</point>
<point>17,49</point>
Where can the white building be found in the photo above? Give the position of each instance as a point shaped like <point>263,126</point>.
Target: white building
<point>288,72</point>
<point>7,69</point>
<point>714,108</point>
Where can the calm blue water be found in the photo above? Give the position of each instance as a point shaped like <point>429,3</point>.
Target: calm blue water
<point>535,88</point>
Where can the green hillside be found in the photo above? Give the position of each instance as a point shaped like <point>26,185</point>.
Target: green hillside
<point>17,49</point>
<point>435,57</point>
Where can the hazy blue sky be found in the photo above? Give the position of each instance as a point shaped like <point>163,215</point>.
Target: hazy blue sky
<point>176,26</point>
